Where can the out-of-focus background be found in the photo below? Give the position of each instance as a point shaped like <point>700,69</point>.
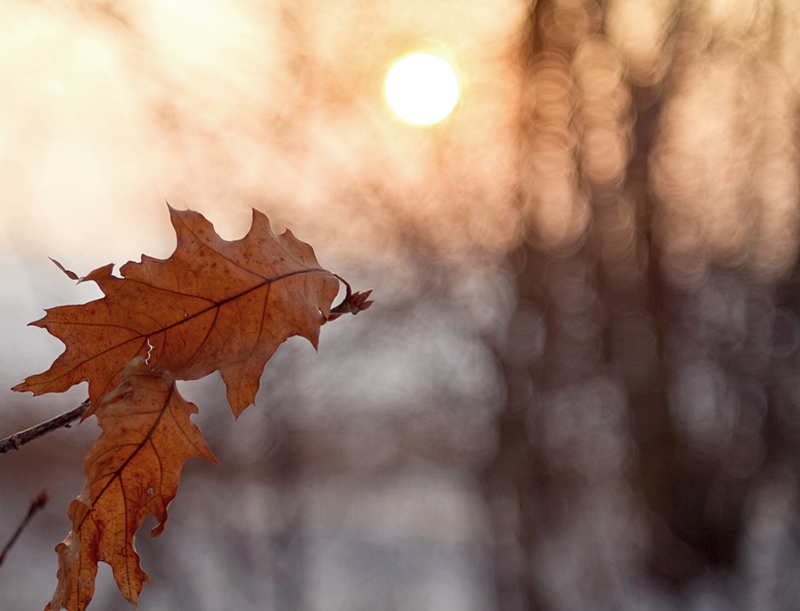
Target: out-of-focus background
<point>578,387</point>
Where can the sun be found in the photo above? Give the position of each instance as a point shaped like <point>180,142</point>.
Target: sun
<point>421,88</point>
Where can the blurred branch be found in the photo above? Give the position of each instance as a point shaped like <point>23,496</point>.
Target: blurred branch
<point>36,504</point>
<point>17,440</point>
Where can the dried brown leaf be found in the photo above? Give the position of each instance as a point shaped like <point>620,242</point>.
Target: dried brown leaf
<point>213,305</point>
<point>132,471</point>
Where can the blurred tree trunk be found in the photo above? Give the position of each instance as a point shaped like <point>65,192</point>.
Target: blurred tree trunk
<point>602,322</point>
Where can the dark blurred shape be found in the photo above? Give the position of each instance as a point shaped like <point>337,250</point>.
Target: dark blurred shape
<point>648,364</point>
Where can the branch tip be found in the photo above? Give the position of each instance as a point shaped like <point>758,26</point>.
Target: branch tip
<point>38,502</point>
<point>353,303</point>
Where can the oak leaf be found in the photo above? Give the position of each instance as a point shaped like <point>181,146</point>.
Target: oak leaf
<point>132,471</point>
<point>212,305</point>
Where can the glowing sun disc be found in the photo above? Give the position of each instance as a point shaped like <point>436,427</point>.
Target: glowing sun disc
<point>421,88</point>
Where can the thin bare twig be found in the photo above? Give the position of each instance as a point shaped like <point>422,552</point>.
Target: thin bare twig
<point>36,504</point>
<point>17,440</point>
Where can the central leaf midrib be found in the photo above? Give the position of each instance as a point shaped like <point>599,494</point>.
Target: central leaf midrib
<point>118,472</point>
<point>144,336</point>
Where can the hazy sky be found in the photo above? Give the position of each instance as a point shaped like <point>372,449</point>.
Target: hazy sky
<point>219,106</point>
<point>111,109</point>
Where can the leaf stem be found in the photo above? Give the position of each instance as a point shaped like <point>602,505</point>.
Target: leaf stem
<point>17,440</point>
